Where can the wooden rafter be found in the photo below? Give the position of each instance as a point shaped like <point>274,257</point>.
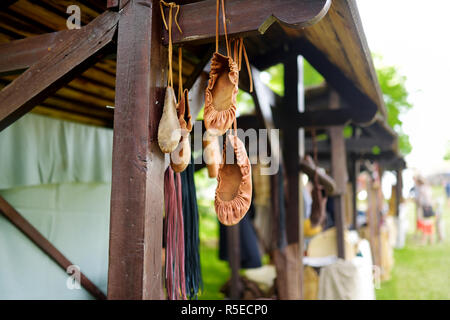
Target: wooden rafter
<point>197,20</point>
<point>68,59</point>
<point>34,235</point>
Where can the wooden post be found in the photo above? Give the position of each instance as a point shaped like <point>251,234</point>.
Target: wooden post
<point>137,199</point>
<point>354,169</point>
<point>291,257</point>
<point>339,172</point>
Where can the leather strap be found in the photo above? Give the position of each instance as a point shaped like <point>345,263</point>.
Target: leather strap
<point>168,27</point>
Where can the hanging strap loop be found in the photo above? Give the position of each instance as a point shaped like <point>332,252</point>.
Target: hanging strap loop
<point>168,27</point>
<point>224,26</point>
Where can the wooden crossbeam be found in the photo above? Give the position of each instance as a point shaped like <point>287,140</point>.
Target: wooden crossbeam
<point>69,58</point>
<point>362,109</point>
<point>306,119</point>
<point>20,54</point>
<point>309,168</point>
<point>198,20</point>
<point>34,235</point>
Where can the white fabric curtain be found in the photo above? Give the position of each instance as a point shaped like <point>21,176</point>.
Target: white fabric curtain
<point>57,175</point>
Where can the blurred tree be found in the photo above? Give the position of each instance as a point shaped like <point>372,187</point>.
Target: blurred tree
<point>395,96</point>
<point>447,152</point>
<point>274,75</point>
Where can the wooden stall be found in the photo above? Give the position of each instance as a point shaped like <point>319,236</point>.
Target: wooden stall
<point>112,72</point>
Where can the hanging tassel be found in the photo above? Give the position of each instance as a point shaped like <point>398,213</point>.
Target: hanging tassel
<point>191,233</point>
<point>175,277</point>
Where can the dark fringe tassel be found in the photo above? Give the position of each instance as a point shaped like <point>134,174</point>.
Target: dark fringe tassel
<point>191,233</point>
<point>175,276</point>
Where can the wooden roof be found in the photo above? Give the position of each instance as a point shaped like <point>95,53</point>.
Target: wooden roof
<point>338,36</point>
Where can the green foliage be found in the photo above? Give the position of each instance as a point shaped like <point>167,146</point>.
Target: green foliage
<point>376,150</point>
<point>276,77</point>
<point>245,103</point>
<point>310,76</point>
<point>395,97</point>
<point>348,132</point>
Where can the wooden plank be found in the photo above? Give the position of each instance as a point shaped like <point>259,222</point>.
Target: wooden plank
<point>198,20</point>
<point>339,173</point>
<point>46,246</point>
<point>137,198</point>
<point>69,58</point>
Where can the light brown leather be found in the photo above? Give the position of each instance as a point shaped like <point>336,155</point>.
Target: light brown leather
<point>234,188</point>
<point>169,132</point>
<point>180,157</point>
<point>212,154</point>
<point>221,93</point>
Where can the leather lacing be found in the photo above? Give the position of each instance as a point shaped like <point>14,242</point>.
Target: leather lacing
<point>168,27</point>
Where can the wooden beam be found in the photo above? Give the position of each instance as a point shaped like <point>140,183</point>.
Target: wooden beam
<point>137,192</point>
<point>309,168</point>
<point>356,145</point>
<point>293,263</point>
<point>198,20</point>
<point>363,109</point>
<point>46,246</point>
<point>21,54</point>
<point>69,58</point>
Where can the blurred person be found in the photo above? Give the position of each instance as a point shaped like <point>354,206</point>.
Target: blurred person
<point>447,191</point>
<point>425,212</point>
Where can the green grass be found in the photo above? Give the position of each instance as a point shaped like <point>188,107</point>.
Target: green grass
<point>420,272</point>
<point>214,271</point>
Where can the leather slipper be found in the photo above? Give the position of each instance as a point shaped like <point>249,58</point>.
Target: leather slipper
<point>234,188</point>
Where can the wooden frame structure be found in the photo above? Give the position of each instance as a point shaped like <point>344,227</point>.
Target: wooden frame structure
<point>118,58</point>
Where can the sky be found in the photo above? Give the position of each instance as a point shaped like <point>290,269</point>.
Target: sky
<point>415,36</point>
